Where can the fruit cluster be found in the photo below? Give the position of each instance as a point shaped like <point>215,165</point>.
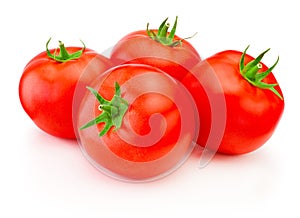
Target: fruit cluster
<point>139,113</point>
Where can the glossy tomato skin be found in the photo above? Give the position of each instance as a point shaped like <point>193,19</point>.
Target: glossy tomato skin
<point>157,131</point>
<point>138,47</point>
<point>251,114</point>
<point>46,88</point>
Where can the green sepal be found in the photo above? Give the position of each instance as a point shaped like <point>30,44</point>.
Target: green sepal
<point>251,73</point>
<point>63,55</point>
<point>112,111</point>
<point>163,36</point>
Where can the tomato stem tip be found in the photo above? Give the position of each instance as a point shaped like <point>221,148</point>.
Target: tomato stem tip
<point>165,37</point>
<point>251,72</point>
<point>64,55</point>
<point>112,112</point>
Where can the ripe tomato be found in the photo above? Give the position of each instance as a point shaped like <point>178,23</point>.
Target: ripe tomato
<point>47,86</point>
<point>146,122</point>
<point>238,100</point>
<point>158,48</point>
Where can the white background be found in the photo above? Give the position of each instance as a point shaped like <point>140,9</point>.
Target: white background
<point>44,176</point>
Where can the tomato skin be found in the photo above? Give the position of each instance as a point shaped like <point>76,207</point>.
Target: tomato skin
<point>46,88</point>
<point>138,47</point>
<point>251,114</point>
<point>156,134</point>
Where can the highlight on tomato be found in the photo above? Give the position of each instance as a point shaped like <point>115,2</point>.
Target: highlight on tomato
<point>48,82</point>
<point>160,48</point>
<point>253,101</point>
<point>136,123</point>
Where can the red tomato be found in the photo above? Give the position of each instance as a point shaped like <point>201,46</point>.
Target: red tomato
<point>47,86</point>
<point>238,100</point>
<point>145,119</point>
<point>158,48</point>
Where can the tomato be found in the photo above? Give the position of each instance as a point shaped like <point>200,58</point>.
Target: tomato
<point>239,101</point>
<point>47,86</point>
<point>147,123</point>
<point>158,48</point>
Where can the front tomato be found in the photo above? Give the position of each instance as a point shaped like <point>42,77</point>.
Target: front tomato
<point>48,82</point>
<point>146,122</point>
<point>238,100</point>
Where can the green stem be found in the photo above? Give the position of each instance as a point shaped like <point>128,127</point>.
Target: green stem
<point>112,112</point>
<point>164,31</point>
<point>64,55</point>
<point>251,72</point>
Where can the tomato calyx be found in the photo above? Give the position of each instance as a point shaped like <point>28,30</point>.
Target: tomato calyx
<point>251,72</point>
<point>163,36</point>
<point>64,55</point>
<point>112,112</point>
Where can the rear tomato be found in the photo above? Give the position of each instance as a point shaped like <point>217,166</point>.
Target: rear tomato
<point>238,100</point>
<point>158,48</point>
<point>48,82</point>
<point>145,119</point>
